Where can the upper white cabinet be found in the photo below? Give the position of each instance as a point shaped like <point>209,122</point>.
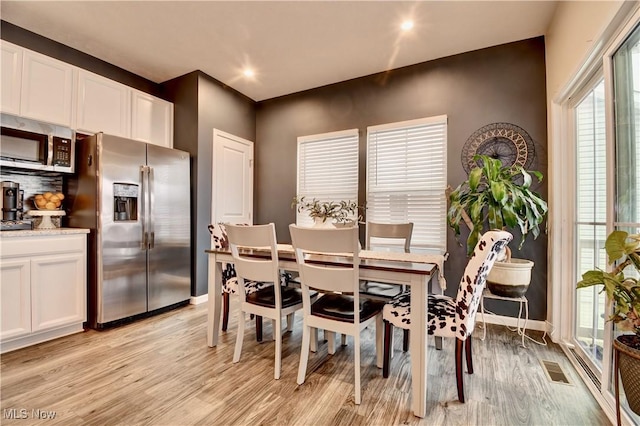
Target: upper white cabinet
<point>42,88</point>
<point>11,62</point>
<point>103,105</point>
<point>47,89</point>
<point>151,119</point>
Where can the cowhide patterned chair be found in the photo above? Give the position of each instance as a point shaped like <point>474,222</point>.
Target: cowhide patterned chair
<point>449,317</point>
<point>229,279</point>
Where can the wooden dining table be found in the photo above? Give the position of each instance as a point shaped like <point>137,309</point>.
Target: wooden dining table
<point>412,269</point>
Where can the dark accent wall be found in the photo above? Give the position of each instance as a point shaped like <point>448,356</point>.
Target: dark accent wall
<point>40,44</point>
<point>498,84</point>
<point>201,103</point>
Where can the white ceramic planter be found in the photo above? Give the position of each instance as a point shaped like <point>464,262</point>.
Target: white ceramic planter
<point>319,223</point>
<point>510,279</point>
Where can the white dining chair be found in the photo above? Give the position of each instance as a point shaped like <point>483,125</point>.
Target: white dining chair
<point>339,309</point>
<point>220,240</point>
<point>386,236</point>
<point>446,316</point>
<point>272,302</point>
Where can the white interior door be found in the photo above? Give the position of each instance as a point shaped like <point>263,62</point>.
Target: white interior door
<point>232,186</point>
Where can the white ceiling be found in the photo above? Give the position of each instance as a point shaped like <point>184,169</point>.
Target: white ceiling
<point>292,45</point>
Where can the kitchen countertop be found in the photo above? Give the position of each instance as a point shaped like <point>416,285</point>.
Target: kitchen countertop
<point>42,232</point>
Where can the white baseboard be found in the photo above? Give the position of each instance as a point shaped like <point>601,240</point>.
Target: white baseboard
<point>39,337</point>
<point>196,300</point>
<point>609,411</point>
<point>513,322</point>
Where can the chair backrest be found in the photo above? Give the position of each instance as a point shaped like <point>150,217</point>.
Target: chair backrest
<point>309,242</point>
<point>474,279</point>
<point>390,230</point>
<point>243,239</point>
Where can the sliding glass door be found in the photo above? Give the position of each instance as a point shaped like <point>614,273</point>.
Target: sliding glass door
<point>626,80</point>
<point>606,132</point>
<point>591,217</point>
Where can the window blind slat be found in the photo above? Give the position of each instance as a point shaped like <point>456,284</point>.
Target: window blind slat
<point>406,178</point>
<point>327,169</point>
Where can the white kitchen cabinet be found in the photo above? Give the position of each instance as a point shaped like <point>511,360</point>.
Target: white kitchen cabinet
<point>11,73</point>
<point>102,105</point>
<point>57,290</point>
<point>47,89</point>
<point>43,286</point>
<point>15,297</point>
<point>151,119</point>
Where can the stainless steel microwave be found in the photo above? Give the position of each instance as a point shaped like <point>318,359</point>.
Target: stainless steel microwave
<point>34,145</point>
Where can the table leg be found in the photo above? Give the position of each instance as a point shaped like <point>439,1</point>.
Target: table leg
<point>215,296</point>
<point>418,344</point>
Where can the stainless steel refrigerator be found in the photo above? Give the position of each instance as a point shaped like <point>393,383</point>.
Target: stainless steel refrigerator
<point>135,199</point>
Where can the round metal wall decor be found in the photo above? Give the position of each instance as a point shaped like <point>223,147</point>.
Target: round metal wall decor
<point>503,141</point>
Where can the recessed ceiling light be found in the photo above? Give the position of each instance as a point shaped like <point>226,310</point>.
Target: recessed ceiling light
<point>249,72</point>
<point>406,25</point>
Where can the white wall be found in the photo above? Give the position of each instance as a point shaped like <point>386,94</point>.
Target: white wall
<point>576,25</point>
<point>574,34</point>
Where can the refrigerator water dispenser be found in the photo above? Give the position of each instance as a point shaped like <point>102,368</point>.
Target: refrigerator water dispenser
<point>125,202</point>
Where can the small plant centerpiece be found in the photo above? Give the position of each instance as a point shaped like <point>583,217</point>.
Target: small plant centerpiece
<point>499,197</point>
<point>624,291</point>
<point>326,213</point>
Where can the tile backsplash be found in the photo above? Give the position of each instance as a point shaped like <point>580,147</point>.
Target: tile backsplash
<point>33,183</point>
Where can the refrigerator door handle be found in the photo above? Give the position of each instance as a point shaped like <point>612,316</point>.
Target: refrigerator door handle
<point>150,191</point>
<point>144,194</point>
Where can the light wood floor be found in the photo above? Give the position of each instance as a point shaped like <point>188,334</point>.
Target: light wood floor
<point>159,371</point>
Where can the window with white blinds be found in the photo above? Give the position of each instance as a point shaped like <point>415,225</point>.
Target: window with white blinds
<point>327,169</point>
<point>407,178</point>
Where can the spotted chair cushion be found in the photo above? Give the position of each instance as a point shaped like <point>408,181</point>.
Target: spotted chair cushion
<point>440,319</point>
<point>448,317</point>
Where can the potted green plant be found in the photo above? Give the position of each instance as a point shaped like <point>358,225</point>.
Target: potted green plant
<point>328,213</point>
<point>499,197</point>
<point>624,291</point>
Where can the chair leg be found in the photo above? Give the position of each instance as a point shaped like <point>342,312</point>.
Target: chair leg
<point>258,328</point>
<point>225,310</point>
<point>459,378</point>
<point>438,343</point>
<point>278,338</point>
<point>304,354</point>
<point>331,342</point>
<point>405,340</point>
<point>344,340</point>
<point>467,350</point>
<point>313,345</point>
<point>239,337</point>
<point>379,338</point>
<point>356,344</point>
<point>388,329</point>
<point>273,329</point>
<point>290,320</point>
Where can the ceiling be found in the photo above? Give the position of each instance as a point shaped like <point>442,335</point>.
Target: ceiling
<point>291,45</point>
